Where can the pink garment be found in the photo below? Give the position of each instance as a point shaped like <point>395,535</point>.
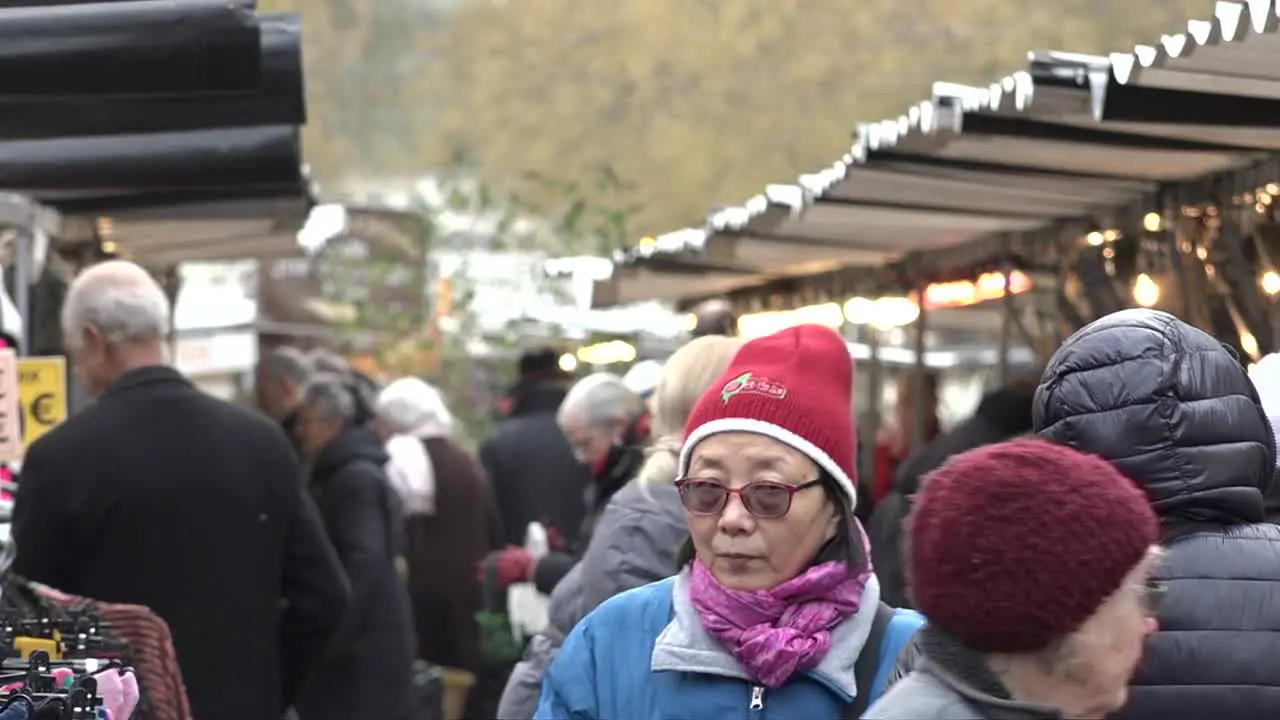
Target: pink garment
<point>776,633</point>
<point>119,691</point>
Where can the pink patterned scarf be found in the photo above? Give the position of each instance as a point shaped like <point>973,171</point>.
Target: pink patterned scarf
<point>776,633</point>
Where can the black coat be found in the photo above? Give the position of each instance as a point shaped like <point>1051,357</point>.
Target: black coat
<point>161,495</point>
<point>366,674</point>
<point>1175,411</point>
<point>531,466</point>
<point>1001,415</point>
<point>621,469</point>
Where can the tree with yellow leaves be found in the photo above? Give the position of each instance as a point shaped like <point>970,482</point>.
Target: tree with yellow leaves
<point>692,102</point>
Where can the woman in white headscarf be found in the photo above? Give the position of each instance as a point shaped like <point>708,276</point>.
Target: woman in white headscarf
<point>451,521</point>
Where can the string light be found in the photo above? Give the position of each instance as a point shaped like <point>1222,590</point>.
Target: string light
<point>1145,291</point>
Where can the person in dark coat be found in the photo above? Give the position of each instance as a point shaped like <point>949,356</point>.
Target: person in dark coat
<point>714,317</point>
<point>367,672</point>
<point>1001,415</point>
<point>535,477</point>
<point>1173,409</point>
<point>451,524</point>
<point>277,386</point>
<point>161,495</point>
<point>607,428</point>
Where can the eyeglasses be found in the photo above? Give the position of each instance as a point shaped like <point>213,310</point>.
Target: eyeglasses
<point>764,500</point>
<point>1151,595</point>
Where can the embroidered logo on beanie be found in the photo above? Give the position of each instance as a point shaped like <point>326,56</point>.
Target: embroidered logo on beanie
<point>749,384</point>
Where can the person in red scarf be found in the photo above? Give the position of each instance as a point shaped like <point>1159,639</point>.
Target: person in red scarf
<point>893,446</point>
<point>607,428</point>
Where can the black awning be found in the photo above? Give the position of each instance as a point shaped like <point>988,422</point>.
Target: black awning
<point>277,100</point>
<point>70,168</point>
<point>130,48</point>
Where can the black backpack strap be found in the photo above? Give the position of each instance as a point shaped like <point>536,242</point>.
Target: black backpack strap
<point>864,670</point>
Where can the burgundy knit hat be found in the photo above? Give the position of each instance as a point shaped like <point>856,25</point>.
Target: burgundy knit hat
<point>1015,545</point>
<point>795,386</point>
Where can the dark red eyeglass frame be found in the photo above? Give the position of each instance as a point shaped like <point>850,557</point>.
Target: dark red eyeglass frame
<point>744,495</point>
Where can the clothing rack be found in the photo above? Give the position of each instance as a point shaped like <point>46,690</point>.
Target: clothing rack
<point>58,659</point>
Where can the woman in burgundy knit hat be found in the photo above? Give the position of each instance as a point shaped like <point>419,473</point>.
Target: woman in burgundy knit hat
<point>775,611</point>
<point>1034,565</point>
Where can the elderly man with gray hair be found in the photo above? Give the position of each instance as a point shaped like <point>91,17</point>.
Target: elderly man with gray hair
<point>164,496</point>
<point>367,672</point>
<point>278,382</point>
<point>607,428</point>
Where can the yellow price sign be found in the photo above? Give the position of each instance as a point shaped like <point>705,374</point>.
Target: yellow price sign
<point>42,393</point>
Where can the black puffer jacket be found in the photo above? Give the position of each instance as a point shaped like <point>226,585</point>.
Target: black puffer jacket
<point>1174,410</point>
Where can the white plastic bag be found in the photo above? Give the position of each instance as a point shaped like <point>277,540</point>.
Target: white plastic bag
<point>526,607</point>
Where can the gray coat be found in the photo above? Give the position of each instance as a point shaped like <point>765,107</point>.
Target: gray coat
<point>635,543</point>
<point>947,681</point>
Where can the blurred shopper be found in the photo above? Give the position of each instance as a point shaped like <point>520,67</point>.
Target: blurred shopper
<point>451,522</point>
<point>1039,594</point>
<point>893,447</point>
<point>642,526</point>
<point>366,674</point>
<point>775,611</point>
<point>161,495</point>
<point>1002,415</point>
<point>364,389</point>
<point>535,477</point>
<point>607,428</point>
<point>715,317</point>
<point>642,379</point>
<point>1266,378</point>
<point>277,386</point>
<point>1173,409</point>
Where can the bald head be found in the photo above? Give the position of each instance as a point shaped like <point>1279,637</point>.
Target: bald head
<point>118,301</point>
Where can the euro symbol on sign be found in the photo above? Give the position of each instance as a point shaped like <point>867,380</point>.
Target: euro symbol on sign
<point>42,409</point>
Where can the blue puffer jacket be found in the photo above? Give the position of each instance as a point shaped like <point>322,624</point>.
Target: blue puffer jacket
<point>644,655</point>
<point>1174,410</point>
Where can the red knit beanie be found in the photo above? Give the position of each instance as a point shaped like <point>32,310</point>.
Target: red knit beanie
<point>1015,545</point>
<point>795,386</point>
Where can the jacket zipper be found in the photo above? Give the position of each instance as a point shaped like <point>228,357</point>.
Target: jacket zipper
<point>757,698</point>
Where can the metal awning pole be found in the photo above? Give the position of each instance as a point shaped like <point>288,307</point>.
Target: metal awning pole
<point>1006,325</point>
<point>918,376</point>
<point>875,390</point>
<point>23,259</point>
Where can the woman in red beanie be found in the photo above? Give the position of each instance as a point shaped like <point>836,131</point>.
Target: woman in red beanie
<point>775,611</point>
<point>1033,563</point>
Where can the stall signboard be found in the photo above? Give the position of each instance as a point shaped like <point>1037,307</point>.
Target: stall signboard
<point>42,394</point>
<point>10,417</point>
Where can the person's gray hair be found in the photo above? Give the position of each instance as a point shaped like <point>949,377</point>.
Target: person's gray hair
<point>287,363</point>
<point>330,397</point>
<point>328,361</point>
<point>603,399</point>
<point>121,301</point>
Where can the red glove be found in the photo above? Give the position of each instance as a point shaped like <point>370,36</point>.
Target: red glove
<point>511,565</point>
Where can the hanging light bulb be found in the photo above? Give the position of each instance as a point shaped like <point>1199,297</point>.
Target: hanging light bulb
<point>1249,343</point>
<point>1145,291</point>
<point>1095,238</point>
<point>1271,282</point>
<point>1151,222</point>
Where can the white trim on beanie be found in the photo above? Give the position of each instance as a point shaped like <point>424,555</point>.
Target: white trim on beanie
<point>768,429</point>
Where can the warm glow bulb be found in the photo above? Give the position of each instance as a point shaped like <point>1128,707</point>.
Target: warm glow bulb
<point>1249,343</point>
<point>568,362</point>
<point>1270,282</point>
<point>1151,222</point>
<point>1145,291</point>
<point>1095,238</point>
